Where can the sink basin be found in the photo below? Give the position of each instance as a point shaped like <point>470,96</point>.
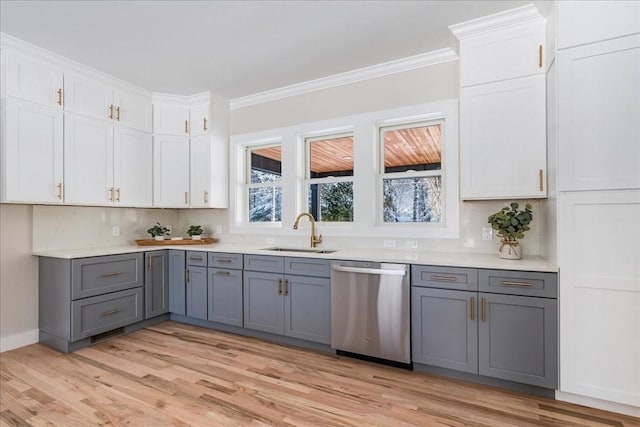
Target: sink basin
<point>305,250</point>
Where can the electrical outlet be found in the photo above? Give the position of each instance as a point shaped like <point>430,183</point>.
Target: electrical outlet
<point>168,229</point>
<point>487,233</point>
<point>270,241</point>
<point>218,229</point>
<point>411,244</point>
<point>115,230</point>
<point>389,243</point>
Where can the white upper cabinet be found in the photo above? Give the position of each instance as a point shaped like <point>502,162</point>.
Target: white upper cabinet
<point>170,171</point>
<point>31,153</point>
<point>502,139</point>
<point>599,115</point>
<point>132,109</point>
<point>502,54</point>
<point>582,22</point>
<point>133,167</point>
<point>88,96</point>
<point>33,80</point>
<point>200,118</point>
<point>200,171</point>
<point>171,119</point>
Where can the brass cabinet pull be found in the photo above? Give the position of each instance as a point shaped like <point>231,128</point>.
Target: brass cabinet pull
<point>473,308</point>
<point>59,92</point>
<point>286,286</point>
<point>206,196</point>
<point>59,187</point>
<point>118,194</point>
<point>223,272</point>
<point>445,278</point>
<point>186,126</point>
<point>279,286</point>
<point>483,310</point>
<point>196,258</point>
<point>150,263</point>
<point>115,273</point>
<point>204,120</point>
<point>110,312</point>
<point>224,260</point>
<point>186,197</point>
<point>540,56</point>
<point>111,111</point>
<point>540,180</point>
<point>111,194</point>
<point>523,284</point>
<point>186,275</point>
<point>118,113</point>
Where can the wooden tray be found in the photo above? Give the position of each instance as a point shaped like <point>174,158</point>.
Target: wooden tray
<point>167,242</point>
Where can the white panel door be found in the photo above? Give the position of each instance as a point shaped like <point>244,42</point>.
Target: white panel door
<point>132,109</point>
<point>505,54</point>
<point>200,171</point>
<point>32,152</point>
<point>170,171</point>
<point>503,139</point>
<point>88,97</point>
<point>34,80</point>
<point>132,167</point>
<point>599,111</point>
<point>88,160</point>
<point>600,295</point>
<point>200,119</point>
<point>171,119</point>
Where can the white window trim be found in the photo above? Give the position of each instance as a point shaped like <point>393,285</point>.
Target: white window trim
<point>249,185</point>
<point>366,188</point>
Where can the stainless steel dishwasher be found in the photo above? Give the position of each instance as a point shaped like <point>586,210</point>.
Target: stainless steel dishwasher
<point>370,311</point>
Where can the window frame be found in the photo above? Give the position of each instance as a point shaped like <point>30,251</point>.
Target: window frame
<point>251,185</point>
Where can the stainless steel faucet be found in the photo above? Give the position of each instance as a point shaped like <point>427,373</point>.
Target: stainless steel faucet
<point>314,239</point>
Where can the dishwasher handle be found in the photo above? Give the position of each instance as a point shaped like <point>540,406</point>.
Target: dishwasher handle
<point>379,271</point>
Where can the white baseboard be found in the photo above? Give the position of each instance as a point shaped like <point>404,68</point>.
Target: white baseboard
<point>18,340</point>
<point>605,405</point>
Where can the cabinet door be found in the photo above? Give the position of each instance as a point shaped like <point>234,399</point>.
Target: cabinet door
<point>600,295</point>
<point>200,119</point>
<point>197,292</point>
<point>263,302</point>
<point>156,283</point>
<point>225,296</point>
<point>132,167</point>
<point>200,171</point>
<point>87,96</point>
<point>518,339</point>
<point>171,120</point>
<point>33,80</point>
<point>170,171</point>
<point>32,153</point>
<point>132,109</point>
<point>88,160</point>
<point>444,328</point>
<point>599,106</point>
<point>504,54</point>
<point>177,284</point>
<point>503,139</point>
<point>307,308</point>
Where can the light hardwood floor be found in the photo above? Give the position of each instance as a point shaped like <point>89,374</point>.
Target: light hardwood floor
<point>176,374</point>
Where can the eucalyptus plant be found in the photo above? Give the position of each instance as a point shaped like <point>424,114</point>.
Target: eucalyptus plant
<point>511,223</point>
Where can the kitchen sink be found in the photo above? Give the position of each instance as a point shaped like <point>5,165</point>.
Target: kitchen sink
<point>305,250</point>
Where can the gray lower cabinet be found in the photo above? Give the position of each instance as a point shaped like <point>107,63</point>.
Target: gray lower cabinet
<point>156,283</point>
<point>444,331</point>
<point>177,282</point>
<point>295,305</point>
<point>196,299</point>
<point>225,296</point>
<point>518,339</point>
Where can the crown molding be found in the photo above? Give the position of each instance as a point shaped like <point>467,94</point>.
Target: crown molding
<point>360,74</point>
<point>482,25</point>
<point>169,98</point>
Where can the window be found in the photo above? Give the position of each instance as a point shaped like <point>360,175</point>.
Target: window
<point>411,162</point>
<point>330,177</point>
<point>263,181</point>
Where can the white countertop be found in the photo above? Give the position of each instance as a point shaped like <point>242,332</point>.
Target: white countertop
<point>452,259</point>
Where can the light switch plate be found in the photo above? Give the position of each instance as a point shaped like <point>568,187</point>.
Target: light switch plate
<point>115,230</point>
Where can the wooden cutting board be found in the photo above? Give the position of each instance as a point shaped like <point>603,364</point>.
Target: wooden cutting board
<point>167,242</point>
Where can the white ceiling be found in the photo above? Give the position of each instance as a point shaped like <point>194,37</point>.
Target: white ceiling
<point>236,48</point>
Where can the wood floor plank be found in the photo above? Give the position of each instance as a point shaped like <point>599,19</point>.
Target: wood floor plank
<point>173,374</point>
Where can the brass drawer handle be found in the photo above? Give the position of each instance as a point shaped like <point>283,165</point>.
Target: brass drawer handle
<point>473,308</point>
<point>110,312</point>
<point>286,286</point>
<point>540,180</point>
<point>483,310</point>
<point>205,123</point>
<point>186,197</point>
<point>118,113</point>
<point>540,56</point>
<point>224,260</point>
<point>111,111</point>
<point>206,196</point>
<point>59,187</point>
<point>118,194</point>
<point>279,286</point>
<point>186,126</point>
<point>59,92</point>
<point>115,273</point>
<point>111,194</point>
<point>223,272</point>
<point>523,284</point>
<point>195,258</point>
<point>445,278</point>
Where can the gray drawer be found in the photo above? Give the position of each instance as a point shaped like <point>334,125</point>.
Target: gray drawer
<point>527,283</point>
<point>222,260</point>
<point>266,263</point>
<point>463,279</point>
<point>197,258</point>
<point>103,313</point>
<point>307,267</point>
<point>99,275</point>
